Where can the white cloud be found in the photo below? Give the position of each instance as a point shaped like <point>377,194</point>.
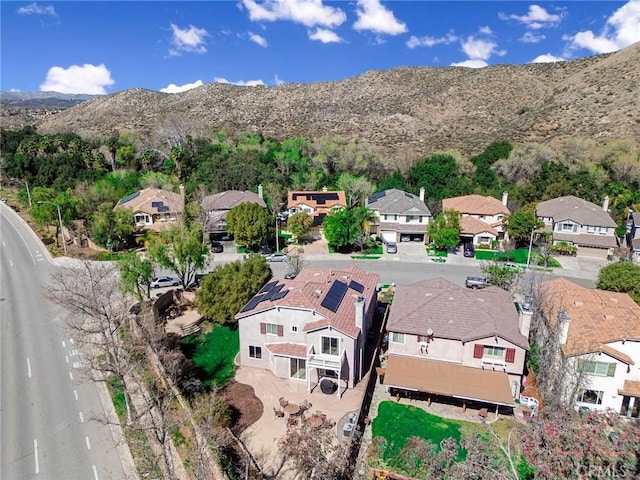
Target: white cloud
<point>189,40</point>
<point>242,83</point>
<point>277,80</point>
<point>428,41</point>
<point>470,63</point>
<point>173,88</point>
<point>35,9</point>
<point>87,78</point>
<point>530,37</point>
<point>547,58</point>
<point>376,18</point>
<point>325,36</point>
<point>621,30</point>
<point>306,12</point>
<point>486,30</point>
<point>255,38</point>
<point>478,48</point>
<point>537,17</point>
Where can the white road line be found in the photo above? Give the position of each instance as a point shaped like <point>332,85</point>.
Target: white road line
<point>4,244</point>
<point>71,340</point>
<point>28,367</point>
<point>11,262</point>
<point>75,394</point>
<point>35,448</point>
<point>81,417</point>
<point>66,358</point>
<point>64,344</point>
<point>88,444</point>
<point>71,375</point>
<point>95,472</point>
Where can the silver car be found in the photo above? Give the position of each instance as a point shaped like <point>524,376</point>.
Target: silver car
<point>392,247</point>
<point>276,257</point>
<point>165,281</point>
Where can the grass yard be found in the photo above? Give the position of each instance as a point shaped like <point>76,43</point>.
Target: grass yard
<point>519,255</point>
<point>397,423</point>
<point>213,353</point>
<point>114,385</point>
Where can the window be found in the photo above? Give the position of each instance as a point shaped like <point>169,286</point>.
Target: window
<point>600,368</point>
<point>255,352</point>
<point>410,218</point>
<point>327,373</point>
<point>294,328</point>
<point>491,351</point>
<point>385,216</point>
<point>397,337</point>
<point>590,396</point>
<point>567,227</point>
<point>591,229</point>
<point>420,218</point>
<point>330,346</point>
<point>603,229</point>
<point>297,368</point>
<point>272,329</point>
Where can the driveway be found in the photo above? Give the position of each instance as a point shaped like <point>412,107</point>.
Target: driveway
<point>408,251</point>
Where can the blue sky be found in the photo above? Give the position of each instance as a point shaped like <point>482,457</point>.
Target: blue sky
<point>105,47</point>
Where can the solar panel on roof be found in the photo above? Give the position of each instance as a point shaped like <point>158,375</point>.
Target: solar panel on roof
<point>157,204</point>
<point>358,287</point>
<point>253,303</point>
<point>130,197</point>
<point>268,287</point>
<point>377,196</point>
<point>279,295</point>
<point>163,208</point>
<point>334,296</point>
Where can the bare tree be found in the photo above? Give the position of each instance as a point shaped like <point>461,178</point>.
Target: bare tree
<point>296,263</point>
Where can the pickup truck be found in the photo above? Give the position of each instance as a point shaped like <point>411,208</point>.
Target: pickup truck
<point>476,282</point>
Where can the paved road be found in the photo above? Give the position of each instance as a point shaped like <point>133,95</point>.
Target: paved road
<point>45,412</point>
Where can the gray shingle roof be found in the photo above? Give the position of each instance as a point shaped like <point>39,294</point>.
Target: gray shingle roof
<point>576,209</point>
<point>454,312</point>
<point>397,202</point>
<point>229,199</point>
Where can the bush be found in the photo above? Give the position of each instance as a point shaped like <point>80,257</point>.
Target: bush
<point>563,248</point>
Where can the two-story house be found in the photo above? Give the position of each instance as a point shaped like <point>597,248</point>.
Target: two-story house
<point>217,207</point>
<point>399,215</point>
<point>153,208</point>
<point>450,341</point>
<point>317,204</point>
<point>580,223</point>
<point>601,331</point>
<point>481,217</point>
<point>312,327</point>
<point>633,235</point>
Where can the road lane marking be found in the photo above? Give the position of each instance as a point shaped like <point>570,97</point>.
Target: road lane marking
<point>95,472</point>
<point>63,344</point>
<point>71,340</point>
<point>66,358</point>
<point>11,262</point>
<point>35,448</point>
<point>28,367</point>
<point>71,375</point>
<point>81,417</point>
<point>25,243</point>
<point>88,444</point>
<point>75,394</point>
<point>4,244</point>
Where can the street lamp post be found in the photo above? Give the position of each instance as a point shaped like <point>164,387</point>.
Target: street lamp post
<point>277,240</point>
<point>64,244</point>
<point>530,246</point>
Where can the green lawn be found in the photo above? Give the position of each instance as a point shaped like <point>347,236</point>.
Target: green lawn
<point>519,255</point>
<point>114,385</point>
<point>214,354</point>
<point>397,423</point>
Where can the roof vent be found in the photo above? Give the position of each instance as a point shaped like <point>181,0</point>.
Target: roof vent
<point>481,299</point>
<point>607,317</point>
<point>613,299</point>
<point>578,303</point>
<point>451,299</point>
<point>317,293</point>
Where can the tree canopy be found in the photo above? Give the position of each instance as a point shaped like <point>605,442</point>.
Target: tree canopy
<point>299,224</point>
<point>444,230</point>
<point>521,223</point>
<point>343,227</point>
<point>250,224</point>
<point>621,277</point>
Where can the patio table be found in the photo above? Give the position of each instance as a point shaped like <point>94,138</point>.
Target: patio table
<point>315,421</point>
<point>292,409</point>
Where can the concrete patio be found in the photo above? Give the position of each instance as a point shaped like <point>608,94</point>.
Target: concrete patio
<point>261,438</point>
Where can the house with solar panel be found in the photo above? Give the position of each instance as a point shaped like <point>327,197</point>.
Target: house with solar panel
<point>317,204</point>
<point>153,208</point>
<point>311,328</point>
<point>400,216</point>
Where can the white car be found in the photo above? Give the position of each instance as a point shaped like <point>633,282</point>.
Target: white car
<point>165,281</point>
<point>276,257</point>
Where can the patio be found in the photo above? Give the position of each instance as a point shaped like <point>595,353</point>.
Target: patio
<point>261,438</point>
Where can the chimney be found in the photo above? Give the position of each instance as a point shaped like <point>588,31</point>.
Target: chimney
<point>505,196</point>
<point>422,194</point>
<point>181,188</point>
<point>563,321</point>
<point>359,306</point>
<point>260,191</point>
<point>605,203</point>
<point>526,313</point>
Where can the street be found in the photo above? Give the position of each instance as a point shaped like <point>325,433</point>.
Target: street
<point>46,427</point>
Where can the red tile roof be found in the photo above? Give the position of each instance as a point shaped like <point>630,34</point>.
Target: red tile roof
<point>475,205</point>
<point>473,226</point>
<point>287,349</point>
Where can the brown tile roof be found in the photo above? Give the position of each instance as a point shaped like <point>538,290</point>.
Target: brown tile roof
<point>229,199</point>
<point>630,388</point>
<point>287,349</point>
<point>449,379</point>
<point>576,209</point>
<point>617,354</point>
<point>142,200</point>
<point>317,199</point>
<point>597,317</point>
<point>473,226</point>
<point>308,290</point>
<point>454,312</point>
<point>475,204</point>
<point>587,240</point>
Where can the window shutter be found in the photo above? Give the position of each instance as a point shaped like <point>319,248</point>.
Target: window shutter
<point>510,355</point>
<point>280,330</point>
<point>611,371</point>
<point>419,338</point>
<point>263,328</point>
<point>477,350</point>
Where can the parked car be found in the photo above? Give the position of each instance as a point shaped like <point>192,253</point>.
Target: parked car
<point>164,281</point>
<point>276,257</point>
<point>468,250</point>
<point>476,282</point>
<point>392,247</point>
<point>405,238</point>
<point>290,275</point>
<point>217,247</point>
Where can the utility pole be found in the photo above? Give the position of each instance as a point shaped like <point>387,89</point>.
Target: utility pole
<point>530,246</point>
<point>64,243</point>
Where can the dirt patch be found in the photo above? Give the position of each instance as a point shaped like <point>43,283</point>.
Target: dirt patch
<point>245,406</point>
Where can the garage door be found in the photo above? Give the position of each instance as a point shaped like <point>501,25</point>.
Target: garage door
<point>389,236</point>
<point>593,252</point>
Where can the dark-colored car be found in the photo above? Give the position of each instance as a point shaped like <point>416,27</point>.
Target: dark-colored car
<point>217,247</point>
<point>290,275</point>
<point>468,250</point>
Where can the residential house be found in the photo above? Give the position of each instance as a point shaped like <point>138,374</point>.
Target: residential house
<point>217,207</point>
<point>312,327</point>
<point>580,223</point>
<point>317,204</point>
<point>633,235</point>
<point>450,341</point>
<point>399,215</point>
<point>481,218</point>
<point>600,329</point>
<point>153,208</point>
